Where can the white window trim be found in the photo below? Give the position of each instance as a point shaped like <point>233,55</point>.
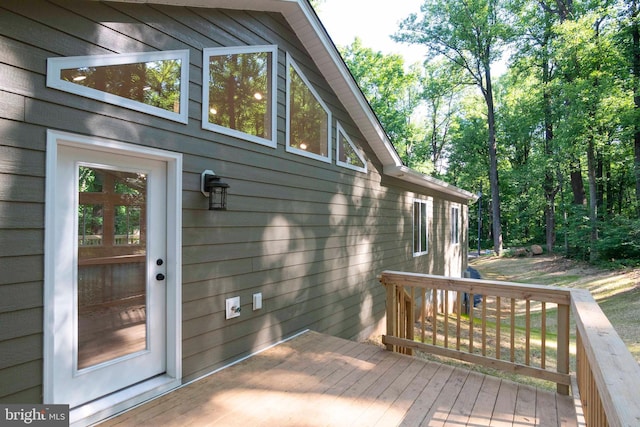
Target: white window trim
<point>206,53</point>
<point>55,65</point>
<point>455,224</point>
<point>429,207</point>
<point>291,63</point>
<point>340,131</point>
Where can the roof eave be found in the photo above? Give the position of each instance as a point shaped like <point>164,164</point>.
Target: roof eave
<point>407,174</point>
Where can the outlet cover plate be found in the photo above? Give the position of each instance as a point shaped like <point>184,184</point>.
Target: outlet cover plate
<point>232,307</point>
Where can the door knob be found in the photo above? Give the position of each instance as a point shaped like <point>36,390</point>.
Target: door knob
<point>159,276</point>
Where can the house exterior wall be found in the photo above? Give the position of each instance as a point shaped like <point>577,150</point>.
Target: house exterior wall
<point>311,236</point>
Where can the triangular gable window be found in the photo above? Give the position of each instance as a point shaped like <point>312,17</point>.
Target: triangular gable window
<point>155,83</point>
<point>348,154</point>
<point>308,117</point>
<point>239,92</point>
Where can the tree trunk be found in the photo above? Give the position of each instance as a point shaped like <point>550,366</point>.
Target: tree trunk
<point>577,185</point>
<point>549,185</point>
<point>493,165</point>
<point>600,183</point>
<point>593,202</point>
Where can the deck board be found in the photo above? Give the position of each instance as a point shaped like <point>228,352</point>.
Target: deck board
<point>463,407</point>
<point>320,380</point>
<point>485,402</point>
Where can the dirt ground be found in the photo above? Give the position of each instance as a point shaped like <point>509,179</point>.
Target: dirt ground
<point>617,291</point>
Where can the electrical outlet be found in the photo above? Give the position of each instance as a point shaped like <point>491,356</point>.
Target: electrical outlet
<point>233,307</point>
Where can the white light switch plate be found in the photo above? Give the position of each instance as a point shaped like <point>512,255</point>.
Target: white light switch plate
<point>257,301</point>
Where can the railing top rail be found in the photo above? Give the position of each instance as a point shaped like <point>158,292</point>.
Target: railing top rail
<point>616,372</point>
<point>479,286</point>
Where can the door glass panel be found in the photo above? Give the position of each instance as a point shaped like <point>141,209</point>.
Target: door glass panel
<point>112,254</point>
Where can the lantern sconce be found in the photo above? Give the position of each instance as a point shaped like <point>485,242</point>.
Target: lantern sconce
<point>216,190</point>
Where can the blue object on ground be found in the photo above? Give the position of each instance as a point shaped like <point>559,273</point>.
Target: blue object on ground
<point>473,274</point>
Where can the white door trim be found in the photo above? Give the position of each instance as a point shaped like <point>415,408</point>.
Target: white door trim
<point>119,401</point>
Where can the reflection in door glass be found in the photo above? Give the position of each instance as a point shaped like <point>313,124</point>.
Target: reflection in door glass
<point>112,254</point>
<point>90,225</point>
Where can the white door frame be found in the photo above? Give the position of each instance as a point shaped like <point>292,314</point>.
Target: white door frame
<point>116,402</point>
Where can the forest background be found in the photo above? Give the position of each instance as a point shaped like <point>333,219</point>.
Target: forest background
<point>552,145</point>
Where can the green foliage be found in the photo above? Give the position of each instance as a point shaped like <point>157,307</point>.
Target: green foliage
<point>577,231</point>
<point>470,34</point>
<point>620,240</point>
<point>394,95</point>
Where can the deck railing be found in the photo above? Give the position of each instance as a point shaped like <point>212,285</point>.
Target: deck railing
<point>520,329</point>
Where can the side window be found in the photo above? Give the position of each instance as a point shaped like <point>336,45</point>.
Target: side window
<point>308,118</point>
<point>455,225</point>
<point>239,92</point>
<point>420,227</point>
<point>348,155</point>
<point>155,83</point>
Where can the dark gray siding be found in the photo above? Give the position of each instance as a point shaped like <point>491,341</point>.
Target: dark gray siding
<point>312,237</point>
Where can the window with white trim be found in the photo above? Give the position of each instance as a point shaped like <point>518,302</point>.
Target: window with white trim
<point>155,83</point>
<point>239,92</point>
<point>308,117</point>
<point>421,215</point>
<point>348,155</point>
<point>455,225</point>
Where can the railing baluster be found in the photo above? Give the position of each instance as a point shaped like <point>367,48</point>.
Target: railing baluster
<point>527,345</point>
<point>498,324</point>
<point>409,319</point>
<point>434,321</point>
<point>484,325</point>
<point>543,336</point>
<point>423,313</point>
<point>470,305</point>
<point>446,319</point>
<point>513,330</point>
<point>458,314</point>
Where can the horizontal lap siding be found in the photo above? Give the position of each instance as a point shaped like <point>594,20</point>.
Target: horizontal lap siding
<point>311,236</point>
<point>22,159</point>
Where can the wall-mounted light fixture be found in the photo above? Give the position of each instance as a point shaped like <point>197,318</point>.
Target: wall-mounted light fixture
<point>216,190</point>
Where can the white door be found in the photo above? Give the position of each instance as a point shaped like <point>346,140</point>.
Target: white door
<point>109,268</point>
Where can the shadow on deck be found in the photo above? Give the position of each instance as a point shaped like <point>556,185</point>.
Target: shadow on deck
<point>320,380</point>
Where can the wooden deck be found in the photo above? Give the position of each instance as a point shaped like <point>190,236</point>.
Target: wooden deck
<point>319,380</point>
